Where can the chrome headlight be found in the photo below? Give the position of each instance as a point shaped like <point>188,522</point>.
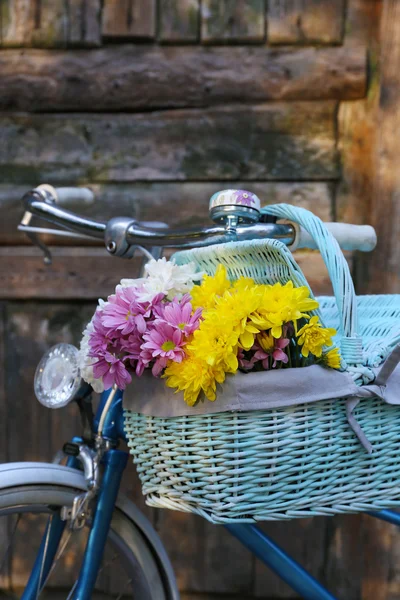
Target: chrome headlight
<point>57,377</point>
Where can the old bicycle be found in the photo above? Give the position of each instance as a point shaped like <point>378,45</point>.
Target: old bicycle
<point>79,501</point>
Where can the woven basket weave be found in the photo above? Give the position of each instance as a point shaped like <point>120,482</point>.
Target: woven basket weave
<point>289,462</point>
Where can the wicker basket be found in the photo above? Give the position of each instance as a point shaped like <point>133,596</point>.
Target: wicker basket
<point>288,462</point>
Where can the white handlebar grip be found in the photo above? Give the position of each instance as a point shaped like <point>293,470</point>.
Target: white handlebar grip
<point>67,195</point>
<point>349,237</point>
<point>74,195</point>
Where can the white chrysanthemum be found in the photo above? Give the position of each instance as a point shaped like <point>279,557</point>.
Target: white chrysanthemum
<point>86,362</point>
<point>164,277</point>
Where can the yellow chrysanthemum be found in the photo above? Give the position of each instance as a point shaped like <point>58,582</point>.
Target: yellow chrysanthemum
<point>266,341</point>
<point>205,294</point>
<point>216,341</point>
<point>313,337</point>
<point>332,359</point>
<point>192,376</point>
<point>237,304</point>
<point>281,304</point>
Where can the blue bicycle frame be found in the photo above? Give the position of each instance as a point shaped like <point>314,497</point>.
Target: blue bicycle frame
<point>114,463</point>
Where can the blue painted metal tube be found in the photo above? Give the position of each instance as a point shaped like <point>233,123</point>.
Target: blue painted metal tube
<point>114,424</point>
<point>281,563</point>
<point>49,545</point>
<point>51,539</point>
<point>387,515</point>
<point>114,465</point>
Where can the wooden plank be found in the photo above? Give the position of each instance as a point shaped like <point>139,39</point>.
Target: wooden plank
<point>304,540</point>
<point>17,22</point>
<point>232,21</point>
<point>294,141</point>
<point>153,202</point>
<point>344,563</point>
<point>305,21</point>
<point>383,268</point>
<point>75,273</point>
<point>90,273</point>
<point>129,19</point>
<point>377,544</point>
<point>49,23</point>
<point>51,27</point>
<point>179,20</point>
<point>84,23</point>
<point>127,78</point>
<point>205,558</point>
<point>4,523</point>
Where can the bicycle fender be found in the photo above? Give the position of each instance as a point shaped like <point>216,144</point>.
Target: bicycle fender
<point>31,473</point>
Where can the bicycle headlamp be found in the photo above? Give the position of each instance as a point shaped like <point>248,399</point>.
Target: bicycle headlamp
<point>57,377</point>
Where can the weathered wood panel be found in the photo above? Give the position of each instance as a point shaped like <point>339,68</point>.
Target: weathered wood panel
<point>305,21</point>
<point>90,273</point>
<point>203,555</point>
<point>343,556</point>
<point>50,23</point>
<point>179,20</point>
<point>269,142</point>
<point>178,204</point>
<point>17,21</point>
<point>232,21</point>
<point>384,266</point>
<point>4,524</point>
<point>304,540</point>
<point>84,23</point>
<point>128,19</point>
<point>135,77</point>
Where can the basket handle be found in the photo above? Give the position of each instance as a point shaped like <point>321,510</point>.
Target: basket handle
<point>339,273</point>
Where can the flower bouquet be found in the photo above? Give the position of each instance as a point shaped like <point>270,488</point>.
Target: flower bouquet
<point>193,330</point>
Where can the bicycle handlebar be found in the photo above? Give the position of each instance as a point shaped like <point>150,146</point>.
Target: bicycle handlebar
<point>122,235</point>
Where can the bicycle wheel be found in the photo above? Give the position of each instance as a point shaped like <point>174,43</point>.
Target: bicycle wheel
<point>129,569</point>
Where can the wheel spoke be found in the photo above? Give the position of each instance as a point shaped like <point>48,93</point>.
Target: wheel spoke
<point>58,556</point>
<point>4,560</point>
<point>46,546</point>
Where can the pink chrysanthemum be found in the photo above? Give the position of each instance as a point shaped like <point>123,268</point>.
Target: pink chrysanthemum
<point>179,315</point>
<point>124,313</point>
<point>164,342</point>
<point>112,370</point>
<point>276,353</point>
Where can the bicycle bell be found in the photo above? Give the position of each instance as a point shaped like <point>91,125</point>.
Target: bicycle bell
<point>232,207</point>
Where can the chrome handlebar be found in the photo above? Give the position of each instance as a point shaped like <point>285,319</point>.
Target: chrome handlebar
<point>123,235</point>
<point>236,214</point>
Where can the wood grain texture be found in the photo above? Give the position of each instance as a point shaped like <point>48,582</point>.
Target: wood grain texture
<point>84,23</point>
<point>203,555</point>
<point>17,22</point>
<point>4,523</point>
<point>344,546</point>
<point>128,19</point>
<point>383,270</point>
<point>232,21</point>
<point>178,204</point>
<point>130,78</point>
<point>267,142</point>
<point>179,20</point>
<point>304,540</point>
<point>305,21</point>
<point>50,23</point>
<point>90,273</point>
